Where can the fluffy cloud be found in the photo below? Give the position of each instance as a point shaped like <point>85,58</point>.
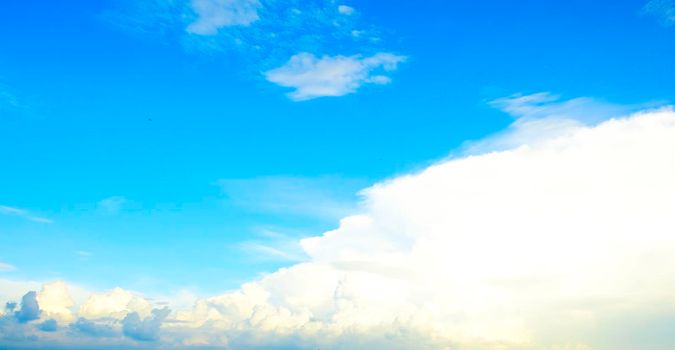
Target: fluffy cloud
<point>527,248</point>
<point>114,304</point>
<point>313,77</point>
<point>55,301</point>
<point>215,14</point>
<point>556,243</point>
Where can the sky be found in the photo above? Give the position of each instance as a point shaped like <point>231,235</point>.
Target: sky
<point>302,174</point>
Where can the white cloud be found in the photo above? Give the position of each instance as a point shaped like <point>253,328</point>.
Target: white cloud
<point>55,301</point>
<point>23,214</point>
<point>557,244</point>
<point>215,14</point>
<point>346,10</point>
<point>313,77</point>
<point>520,249</point>
<point>664,10</point>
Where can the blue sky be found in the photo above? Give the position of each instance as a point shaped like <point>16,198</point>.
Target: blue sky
<point>162,146</point>
<point>85,83</point>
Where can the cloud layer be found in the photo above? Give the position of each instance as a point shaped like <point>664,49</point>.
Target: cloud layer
<point>560,243</point>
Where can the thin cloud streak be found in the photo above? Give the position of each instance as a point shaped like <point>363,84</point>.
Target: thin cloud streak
<point>22,213</point>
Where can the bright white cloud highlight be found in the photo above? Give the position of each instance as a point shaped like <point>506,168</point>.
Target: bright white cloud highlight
<point>215,14</point>
<point>55,301</point>
<point>520,249</point>
<point>558,243</point>
<point>313,77</point>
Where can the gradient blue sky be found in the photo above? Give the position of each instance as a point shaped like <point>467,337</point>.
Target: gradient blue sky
<point>135,153</point>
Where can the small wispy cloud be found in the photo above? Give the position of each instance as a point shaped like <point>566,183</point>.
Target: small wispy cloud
<point>292,253</point>
<point>8,100</point>
<point>313,77</point>
<point>346,10</point>
<point>323,197</point>
<point>112,205</point>
<point>547,105</point>
<point>215,14</point>
<point>544,116</point>
<point>664,10</point>
<point>22,213</point>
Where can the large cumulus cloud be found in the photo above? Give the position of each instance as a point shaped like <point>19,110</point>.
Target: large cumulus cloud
<point>562,242</point>
<point>557,243</point>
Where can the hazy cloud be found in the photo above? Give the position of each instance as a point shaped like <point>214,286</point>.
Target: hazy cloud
<point>543,116</point>
<point>112,205</point>
<point>6,267</point>
<point>8,101</point>
<point>664,10</point>
<point>326,197</point>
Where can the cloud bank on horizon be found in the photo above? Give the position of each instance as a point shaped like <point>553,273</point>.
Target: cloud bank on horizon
<point>556,242</point>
